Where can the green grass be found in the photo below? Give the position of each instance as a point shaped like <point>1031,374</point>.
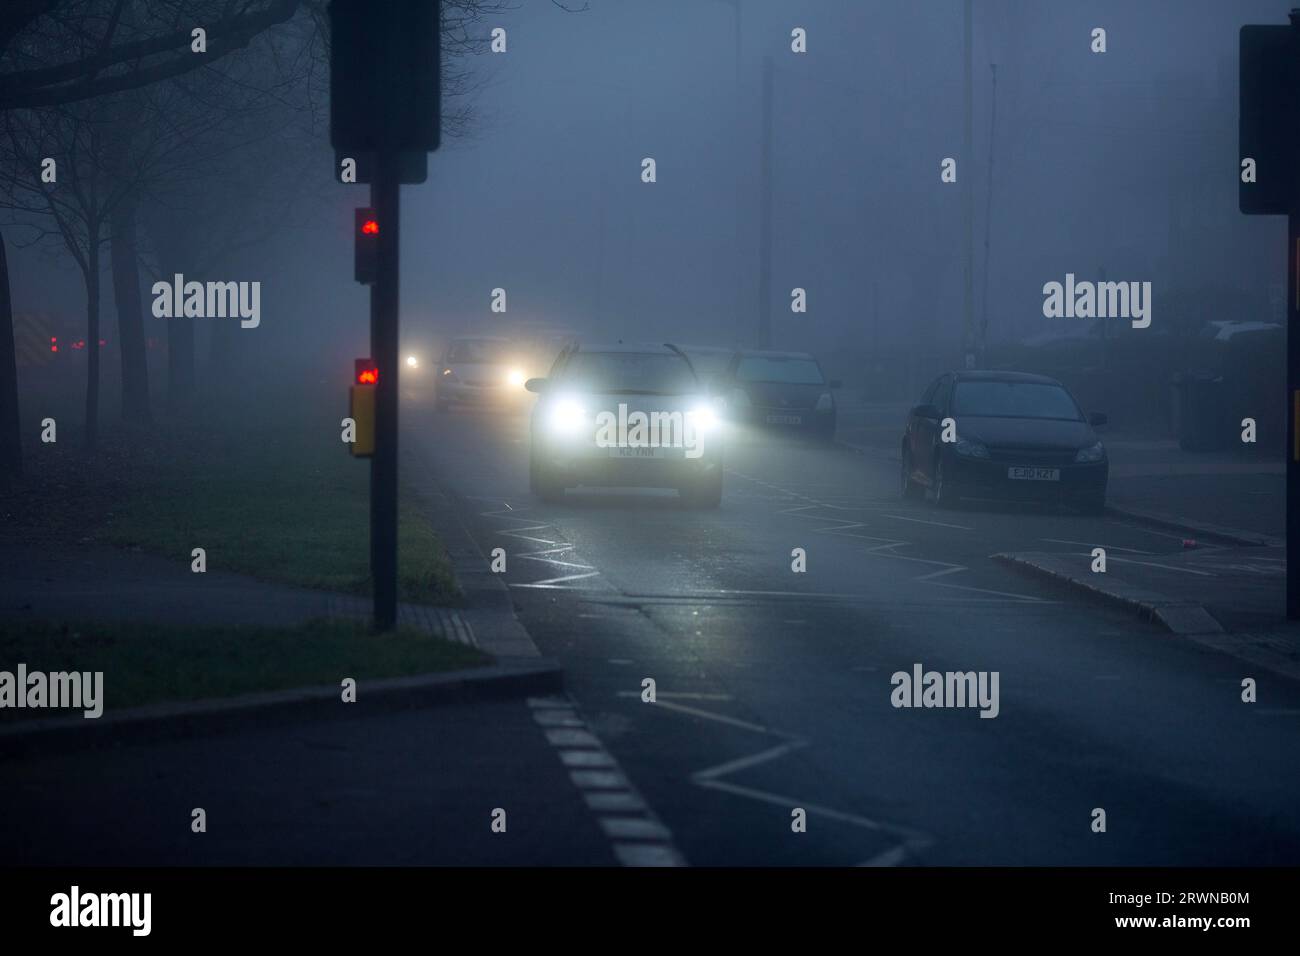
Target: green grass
<point>150,663</point>
<point>284,503</point>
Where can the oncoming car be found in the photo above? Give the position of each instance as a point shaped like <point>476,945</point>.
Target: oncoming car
<point>483,370</point>
<point>1003,435</point>
<point>625,415</point>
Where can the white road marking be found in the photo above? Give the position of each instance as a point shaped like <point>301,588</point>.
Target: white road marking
<point>556,582</point>
<point>1095,544</point>
<point>637,836</point>
<point>1026,598</point>
<point>720,718</point>
<point>937,524</point>
<point>891,857</point>
<point>753,760</point>
<point>1168,567</point>
<point>710,778</point>
<point>675,695</point>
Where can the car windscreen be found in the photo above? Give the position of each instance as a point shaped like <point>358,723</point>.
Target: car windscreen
<point>477,350</point>
<point>993,399</point>
<point>709,363</point>
<point>613,372</point>
<point>787,371</point>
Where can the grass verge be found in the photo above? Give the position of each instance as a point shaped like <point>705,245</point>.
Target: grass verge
<point>281,503</point>
<point>151,663</point>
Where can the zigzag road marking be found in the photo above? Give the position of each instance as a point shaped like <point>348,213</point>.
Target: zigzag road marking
<point>910,841</point>
<point>887,547</point>
<point>548,554</point>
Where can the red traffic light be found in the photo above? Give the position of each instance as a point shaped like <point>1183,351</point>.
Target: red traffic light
<point>366,240</point>
<point>367,372</point>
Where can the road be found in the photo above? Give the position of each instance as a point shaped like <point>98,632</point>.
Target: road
<point>773,687</point>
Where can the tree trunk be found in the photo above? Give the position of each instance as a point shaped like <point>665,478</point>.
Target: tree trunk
<point>180,364</point>
<point>92,341</point>
<point>130,318</point>
<point>11,446</point>
<point>172,242</point>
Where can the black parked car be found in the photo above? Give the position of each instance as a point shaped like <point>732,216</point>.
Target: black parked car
<point>1009,435</point>
<point>782,390</point>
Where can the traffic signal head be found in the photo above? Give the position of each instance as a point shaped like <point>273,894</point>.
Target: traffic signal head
<point>385,75</point>
<point>366,236</point>
<point>367,372</point>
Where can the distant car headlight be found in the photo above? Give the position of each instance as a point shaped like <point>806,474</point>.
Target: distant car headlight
<point>567,416</point>
<point>1092,453</point>
<point>516,377</point>
<point>449,374</point>
<point>970,449</point>
<point>825,403</point>
<point>412,362</point>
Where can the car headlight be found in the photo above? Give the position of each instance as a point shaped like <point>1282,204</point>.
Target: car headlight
<point>516,377</point>
<point>703,417</point>
<point>449,375</point>
<point>412,362</point>
<point>970,449</point>
<point>825,403</point>
<point>567,416</point>
<point>1092,453</point>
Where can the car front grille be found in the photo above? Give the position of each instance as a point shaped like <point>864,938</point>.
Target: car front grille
<point>1040,457</point>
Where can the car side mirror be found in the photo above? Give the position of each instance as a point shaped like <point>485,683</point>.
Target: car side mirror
<point>925,411</point>
<point>1098,419</point>
<point>537,385</point>
<point>836,383</point>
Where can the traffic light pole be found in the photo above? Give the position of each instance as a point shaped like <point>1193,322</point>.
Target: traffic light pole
<point>1293,382</point>
<point>1293,413</point>
<point>384,197</point>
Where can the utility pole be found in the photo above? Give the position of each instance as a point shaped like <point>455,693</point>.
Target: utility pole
<point>738,253</point>
<point>1105,331</point>
<point>765,220</point>
<point>988,215</point>
<point>967,199</point>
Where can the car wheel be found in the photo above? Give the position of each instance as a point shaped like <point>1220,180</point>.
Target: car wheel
<point>542,483</point>
<point>911,490</point>
<point>705,493</point>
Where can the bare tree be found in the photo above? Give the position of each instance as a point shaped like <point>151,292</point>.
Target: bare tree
<point>73,209</point>
<point>59,52</point>
<point>55,54</point>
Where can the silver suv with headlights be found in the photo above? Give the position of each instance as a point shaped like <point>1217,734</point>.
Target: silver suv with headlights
<point>627,416</point>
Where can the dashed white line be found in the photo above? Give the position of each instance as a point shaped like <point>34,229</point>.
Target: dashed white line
<point>637,836</point>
